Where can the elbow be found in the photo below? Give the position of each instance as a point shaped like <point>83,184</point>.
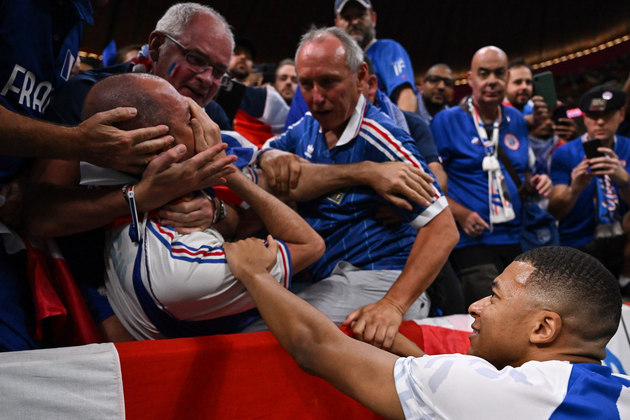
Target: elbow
<point>319,247</point>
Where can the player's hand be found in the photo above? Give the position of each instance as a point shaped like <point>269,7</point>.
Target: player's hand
<point>377,323</point>
<point>542,184</point>
<point>391,180</point>
<point>609,165</point>
<point>281,170</point>
<point>580,177</point>
<point>191,213</point>
<point>249,257</point>
<point>472,224</point>
<point>207,133</point>
<point>166,178</point>
<point>99,142</point>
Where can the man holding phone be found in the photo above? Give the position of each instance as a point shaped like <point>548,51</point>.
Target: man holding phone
<point>591,183</point>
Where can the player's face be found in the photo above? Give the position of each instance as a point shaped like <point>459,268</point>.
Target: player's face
<point>358,22</point>
<point>603,124</point>
<point>437,86</point>
<point>330,89</point>
<point>206,39</point>
<point>520,86</point>
<point>286,81</point>
<point>501,326</point>
<point>487,77</point>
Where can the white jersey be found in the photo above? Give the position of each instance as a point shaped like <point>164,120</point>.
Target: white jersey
<point>174,285</point>
<point>456,386</point>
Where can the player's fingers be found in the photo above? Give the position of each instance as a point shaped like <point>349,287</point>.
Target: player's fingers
<point>166,158</point>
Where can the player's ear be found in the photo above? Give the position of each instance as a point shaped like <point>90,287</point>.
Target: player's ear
<point>547,327</point>
<point>362,74</point>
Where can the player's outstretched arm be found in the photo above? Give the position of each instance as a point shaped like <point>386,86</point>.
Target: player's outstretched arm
<point>359,370</point>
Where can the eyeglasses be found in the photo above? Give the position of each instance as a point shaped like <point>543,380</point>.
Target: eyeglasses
<point>197,61</point>
<point>437,79</point>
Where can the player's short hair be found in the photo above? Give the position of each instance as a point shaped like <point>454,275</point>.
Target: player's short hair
<point>354,53</point>
<point>576,286</point>
<point>178,16</point>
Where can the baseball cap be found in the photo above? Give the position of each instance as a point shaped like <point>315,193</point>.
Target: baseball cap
<point>602,98</point>
<point>246,43</point>
<point>340,4</point>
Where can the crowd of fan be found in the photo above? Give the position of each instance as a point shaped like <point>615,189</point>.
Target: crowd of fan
<point>404,203</point>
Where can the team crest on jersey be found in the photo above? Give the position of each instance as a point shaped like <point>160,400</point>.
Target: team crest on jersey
<point>511,142</point>
<point>475,140</point>
<point>336,198</point>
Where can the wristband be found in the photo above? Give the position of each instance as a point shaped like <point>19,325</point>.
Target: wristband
<point>219,210</point>
<point>131,199</point>
<point>125,189</point>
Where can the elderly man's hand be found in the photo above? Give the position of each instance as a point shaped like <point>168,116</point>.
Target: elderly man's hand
<point>191,213</point>
<point>391,180</point>
<point>207,133</point>
<point>281,170</point>
<point>99,142</point>
<point>377,323</point>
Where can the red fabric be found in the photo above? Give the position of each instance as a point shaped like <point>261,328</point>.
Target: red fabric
<point>251,128</point>
<point>243,376</point>
<point>229,376</point>
<point>57,300</point>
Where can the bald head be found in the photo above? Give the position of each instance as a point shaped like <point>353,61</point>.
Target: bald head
<point>488,76</point>
<point>156,100</point>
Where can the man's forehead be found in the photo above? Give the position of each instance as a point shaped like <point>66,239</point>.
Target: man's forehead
<point>514,276</point>
<point>329,48</point>
<point>520,72</point>
<point>439,71</point>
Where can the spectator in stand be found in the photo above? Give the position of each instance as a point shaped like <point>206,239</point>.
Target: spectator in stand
<point>286,79</point>
<point>483,196</point>
<point>591,194</point>
<point>127,53</point>
<point>332,164</point>
<point>242,61</point>
<point>436,91</point>
<point>390,60</point>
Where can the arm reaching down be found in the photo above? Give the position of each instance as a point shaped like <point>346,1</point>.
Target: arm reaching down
<point>359,370</point>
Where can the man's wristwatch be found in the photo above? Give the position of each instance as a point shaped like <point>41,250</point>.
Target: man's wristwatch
<point>220,210</point>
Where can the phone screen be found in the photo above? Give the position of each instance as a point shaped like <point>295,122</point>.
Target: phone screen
<point>590,148</point>
<point>545,87</point>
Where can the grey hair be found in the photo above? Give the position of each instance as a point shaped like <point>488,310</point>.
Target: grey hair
<point>179,15</point>
<point>354,53</point>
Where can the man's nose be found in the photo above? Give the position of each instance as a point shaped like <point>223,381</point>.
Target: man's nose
<point>477,307</point>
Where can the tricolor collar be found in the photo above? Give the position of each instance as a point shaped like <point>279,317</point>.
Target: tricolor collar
<point>354,123</point>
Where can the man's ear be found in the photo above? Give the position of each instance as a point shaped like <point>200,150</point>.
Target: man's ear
<point>156,39</point>
<point>374,18</point>
<point>547,328</point>
<point>362,75</point>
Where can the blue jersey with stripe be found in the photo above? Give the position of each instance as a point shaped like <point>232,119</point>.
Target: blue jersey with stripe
<point>457,386</point>
<point>346,218</point>
<point>462,155</point>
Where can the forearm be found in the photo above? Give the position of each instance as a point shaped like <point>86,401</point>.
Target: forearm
<point>407,100</point>
<point>319,179</point>
<point>562,200</point>
<point>280,220</point>
<point>27,137</point>
<point>458,210</point>
<point>56,211</point>
<point>430,251</point>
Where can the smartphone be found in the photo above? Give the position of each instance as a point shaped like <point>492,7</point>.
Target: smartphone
<point>545,87</point>
<point>590,148</point>
<point>560,112</point>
